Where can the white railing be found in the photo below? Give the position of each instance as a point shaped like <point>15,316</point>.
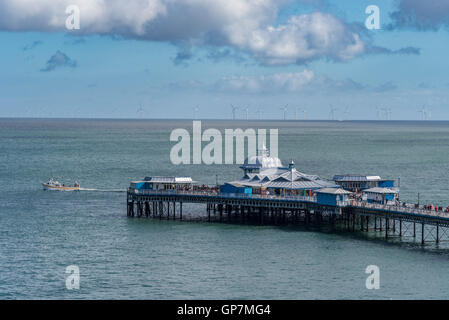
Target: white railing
<point>405,209</point>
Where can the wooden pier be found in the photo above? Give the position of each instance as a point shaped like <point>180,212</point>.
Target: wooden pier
<point>386,221</point>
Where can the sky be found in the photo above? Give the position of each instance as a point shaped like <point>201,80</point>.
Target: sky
<point>168,58</point>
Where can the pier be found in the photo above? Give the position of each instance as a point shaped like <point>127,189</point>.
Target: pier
<point>272,194</point>
<point>354,216</point>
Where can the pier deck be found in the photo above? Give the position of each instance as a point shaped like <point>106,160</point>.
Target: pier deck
<point>389,220</point>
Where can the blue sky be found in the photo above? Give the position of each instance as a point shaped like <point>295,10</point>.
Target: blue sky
<point>160,59</point>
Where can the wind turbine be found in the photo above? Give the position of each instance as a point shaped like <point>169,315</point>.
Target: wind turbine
<point>284,108</point>
<point>233,111</point>
<point>140,111</point>
<point>246,109</point>
<point>379,116</point>
<point>332,112</point>
<point>387,113</point>
<point>426,114</point>
<point>423,113</point>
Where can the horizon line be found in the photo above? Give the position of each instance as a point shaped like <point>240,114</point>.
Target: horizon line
<point>221,119</point>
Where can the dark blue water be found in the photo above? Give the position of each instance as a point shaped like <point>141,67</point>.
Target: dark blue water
<point>42,232</point>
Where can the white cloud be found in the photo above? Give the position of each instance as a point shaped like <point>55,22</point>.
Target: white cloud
<point>301,38</point>
<point>97,16</point>
<point>247,25</point>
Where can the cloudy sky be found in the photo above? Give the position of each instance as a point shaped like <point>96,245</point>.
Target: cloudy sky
<point>163,58</point>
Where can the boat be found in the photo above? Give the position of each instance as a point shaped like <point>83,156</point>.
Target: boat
<point>55,185</point>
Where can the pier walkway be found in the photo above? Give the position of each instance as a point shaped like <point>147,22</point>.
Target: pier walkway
<point>390,220</point>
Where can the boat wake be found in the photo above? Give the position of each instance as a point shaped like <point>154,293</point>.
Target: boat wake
<point>102,190</point>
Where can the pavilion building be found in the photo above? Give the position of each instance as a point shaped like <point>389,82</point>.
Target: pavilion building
<point>266,175</point>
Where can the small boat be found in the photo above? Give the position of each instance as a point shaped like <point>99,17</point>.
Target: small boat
<point>55,185</point>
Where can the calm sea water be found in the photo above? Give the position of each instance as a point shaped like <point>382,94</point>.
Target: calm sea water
<point>42,232</point>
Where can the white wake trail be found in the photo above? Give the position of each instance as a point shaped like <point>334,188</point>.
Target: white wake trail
<point>103,190</point>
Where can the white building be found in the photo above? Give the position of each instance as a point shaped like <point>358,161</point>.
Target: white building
<point>266,174</point>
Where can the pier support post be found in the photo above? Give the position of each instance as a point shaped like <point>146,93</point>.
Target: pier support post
<point>422,232</point>
<point>386,227</point>
<point>306,217</point>
<point>180,211</point>
<point>348,221</point>
<point>400,228</point>
<point>139,209</point>
<point>174,210</point>
<point>147,209</point>
<point>130,208</point>
<point>161,209</point>
<point>168,210</point>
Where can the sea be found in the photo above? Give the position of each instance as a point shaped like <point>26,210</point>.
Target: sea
<point>44,232</point>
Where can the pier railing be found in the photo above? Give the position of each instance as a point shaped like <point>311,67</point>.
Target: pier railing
<point>352,203</point>
<point>401,209</point>
<point>223,195</point>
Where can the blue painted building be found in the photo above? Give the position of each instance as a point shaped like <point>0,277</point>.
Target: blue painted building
<point>162,183</point>
<point>358,183</point>
<point>333,196</point>
<point>231,187</point>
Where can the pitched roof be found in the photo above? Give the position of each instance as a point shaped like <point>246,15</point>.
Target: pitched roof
<point>235,184</point>
<point>288,178</point>
<point>355,177</point>
<point>334,191</point>
<point>381,190</point>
